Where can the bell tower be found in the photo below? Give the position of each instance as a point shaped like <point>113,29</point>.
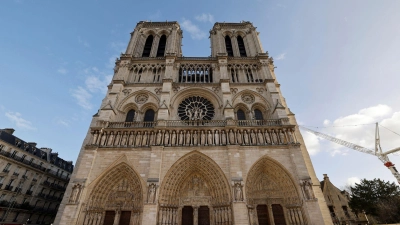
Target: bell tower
<point>155,39</point>
<point>193,140</point>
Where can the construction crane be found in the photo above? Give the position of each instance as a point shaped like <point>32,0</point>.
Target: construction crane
<point>383,156</point>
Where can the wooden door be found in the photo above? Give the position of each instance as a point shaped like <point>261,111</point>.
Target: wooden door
<point>125,218</point>
<point>204,215</point>
<point>279,216</point>
<point>187,215</point>
<point>109,218</point>
<point>262,215</point>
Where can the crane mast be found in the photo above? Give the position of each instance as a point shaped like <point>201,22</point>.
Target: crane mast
<point>377,152</point>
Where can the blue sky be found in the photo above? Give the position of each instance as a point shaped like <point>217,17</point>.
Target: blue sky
<point>338,63</point>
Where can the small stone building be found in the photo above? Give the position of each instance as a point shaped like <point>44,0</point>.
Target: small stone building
<point>338,205</point>
<point>193,140</point>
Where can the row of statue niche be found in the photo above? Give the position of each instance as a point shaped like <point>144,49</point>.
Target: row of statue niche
<point>194,138</point>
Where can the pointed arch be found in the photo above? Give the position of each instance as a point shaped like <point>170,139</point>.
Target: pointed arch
<point>242,48</point>
<point>147,46</point>
<point>195,164</point>
<point>161,46</point>
<point>228,45</point>
<point>121,187</point>
<point>268,179</point>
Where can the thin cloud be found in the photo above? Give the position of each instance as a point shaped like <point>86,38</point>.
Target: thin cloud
<point>194,31</point>
<point>62,70</point>
<point>63,122</point>
<point>82,97</point>
<point>205,17</point>
<point>312,143</point>
<point>281,56</point>
<point>19,121</point>
<point>83,42</point>
<point>95,83</point>
<point>352,181</point>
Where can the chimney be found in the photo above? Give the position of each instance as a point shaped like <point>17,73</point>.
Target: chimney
<point>9,130</point>
<point>33,144</point>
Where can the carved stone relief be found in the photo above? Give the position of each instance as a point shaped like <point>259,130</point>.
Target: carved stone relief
<point>248,98</point>
<point>238,191</point>
<point>141,98</point>
<point>126,91</point>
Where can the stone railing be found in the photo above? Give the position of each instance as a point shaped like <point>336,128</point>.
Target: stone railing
<point>199,133</point>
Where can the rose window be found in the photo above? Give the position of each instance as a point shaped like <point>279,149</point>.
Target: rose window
<point>196,108</point>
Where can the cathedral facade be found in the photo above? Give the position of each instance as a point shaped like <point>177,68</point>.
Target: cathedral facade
<point>193,140</point>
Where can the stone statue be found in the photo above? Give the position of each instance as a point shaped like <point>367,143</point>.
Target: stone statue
<point>166,138</point>
<point>209,138</point>
<point>124,137</point>
<point>158,141</point>
<point>289,132</point>
<point>195,138</point>
<point>267,138</point>
<point>117,138</point>
<point>138,139</point>
<point>274,137</point>
<point>151,193</point>
<point>216,138</point>
<point>307,188</point>
<point>238,193</point>
<point>246,137</point>
<point>223,137</point>
<point>282,137</point>
<point>181,138</point>
<point>103,139</point>
<point>144,142</point>
<point>202,138</point>
<point>188,138</point>
<point>151,138</point>
<point>260,138</point>
<point>131,138</point>
<point>173,138</point>
<point>110,139</point>
<point>239,137</point>
<point>95,135</point>
<point>231,137</point>
<point>76,191</point>
<point>253,138</point>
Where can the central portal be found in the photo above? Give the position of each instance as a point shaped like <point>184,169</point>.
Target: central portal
<point>190,217</point>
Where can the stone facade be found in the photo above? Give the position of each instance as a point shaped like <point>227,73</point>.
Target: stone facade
<point>193,140</point>
<point>338,205</point>
<point>32,181</point>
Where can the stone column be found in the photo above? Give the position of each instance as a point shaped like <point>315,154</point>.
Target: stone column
<point>117,217</point>
<point>195,215</point>
<point>271,215</point>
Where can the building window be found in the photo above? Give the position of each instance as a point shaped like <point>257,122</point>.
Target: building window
<point>1,180</point>
<point>130,116</point>
<point>258,114</point>
<point>242,49</point>
<point>14,154</point>
<point>149,115</point>
<point>147,46</point>
<point>161,46</point>
<point>196,108</point>
<point>240,115</point>
<point>7,168</point>
<point>228,44</point>
<point>249,76</point>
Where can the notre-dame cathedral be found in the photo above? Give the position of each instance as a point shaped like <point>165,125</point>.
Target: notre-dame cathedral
<point>193,140</point>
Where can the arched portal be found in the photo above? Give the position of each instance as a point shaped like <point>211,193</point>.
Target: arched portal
<point>117,196</point>
<point>272,195</point>
<point>195,185</point>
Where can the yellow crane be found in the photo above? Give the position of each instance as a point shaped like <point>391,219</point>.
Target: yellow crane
<point>383,156</point>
